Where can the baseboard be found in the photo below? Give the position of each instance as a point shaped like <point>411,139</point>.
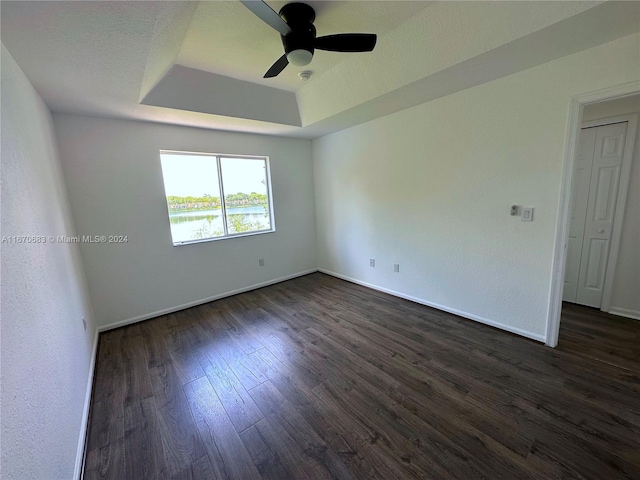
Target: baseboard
<point>82,441</point>
<point>624,312</point>
<point>195,303</point>
<point>470,316</point>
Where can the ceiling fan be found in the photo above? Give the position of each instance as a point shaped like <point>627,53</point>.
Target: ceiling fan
<point>295,24</point>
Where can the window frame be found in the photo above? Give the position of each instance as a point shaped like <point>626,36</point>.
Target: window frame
<point>217,158</point>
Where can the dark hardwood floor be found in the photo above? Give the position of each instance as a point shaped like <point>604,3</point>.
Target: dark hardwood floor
<point>318,378</point>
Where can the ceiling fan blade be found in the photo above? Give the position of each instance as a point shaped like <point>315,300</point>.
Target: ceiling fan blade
<point>347,42</point>
<point>267,15</point>
<point>277,67</point>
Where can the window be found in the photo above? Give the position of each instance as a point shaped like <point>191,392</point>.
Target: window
<point>194,185</point>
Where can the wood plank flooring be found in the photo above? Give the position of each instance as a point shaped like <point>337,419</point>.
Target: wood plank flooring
<point>319,378</point>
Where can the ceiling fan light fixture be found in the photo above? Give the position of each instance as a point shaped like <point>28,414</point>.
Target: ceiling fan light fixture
<point>294,21</point>
<point>299,57</point>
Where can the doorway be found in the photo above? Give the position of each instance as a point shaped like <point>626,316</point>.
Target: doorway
<point>607,247</point>
<point>595,206</point>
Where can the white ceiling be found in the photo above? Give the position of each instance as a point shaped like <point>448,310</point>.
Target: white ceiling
<point>104,58</point>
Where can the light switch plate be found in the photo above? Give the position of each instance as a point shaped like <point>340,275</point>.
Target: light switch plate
<point>527,214</point>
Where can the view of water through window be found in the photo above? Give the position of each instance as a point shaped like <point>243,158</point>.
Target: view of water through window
<point>188,224</point>
<point>192,187</point>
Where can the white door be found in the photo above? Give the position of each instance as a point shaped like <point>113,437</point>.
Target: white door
<point>579,198</point>
<point>597,178</point>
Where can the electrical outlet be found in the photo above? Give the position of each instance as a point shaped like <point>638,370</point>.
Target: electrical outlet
<point>372,262</point>
<point>396,267</point>
<point>84,324</point>
<point>261,262</point>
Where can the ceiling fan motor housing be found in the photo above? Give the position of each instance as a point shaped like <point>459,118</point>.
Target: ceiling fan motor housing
<point>299,17</point>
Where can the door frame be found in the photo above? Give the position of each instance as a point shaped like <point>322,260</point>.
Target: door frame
<point>574,126</point>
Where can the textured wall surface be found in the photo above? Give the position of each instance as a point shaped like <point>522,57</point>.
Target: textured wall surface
<point>430,188</point>
<point>625,298</point>
<point>112,169</point>
<point>46,353</point>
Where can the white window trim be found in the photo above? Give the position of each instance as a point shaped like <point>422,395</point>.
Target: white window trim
<point>227,235</point>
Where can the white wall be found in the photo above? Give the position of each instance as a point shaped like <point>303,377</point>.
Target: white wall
<point>46,353</point>
<point>114,178</point>
<point>430,188</point>
<point>625,297</point>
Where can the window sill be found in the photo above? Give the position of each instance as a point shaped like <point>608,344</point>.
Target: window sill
<point>227,237</point>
